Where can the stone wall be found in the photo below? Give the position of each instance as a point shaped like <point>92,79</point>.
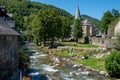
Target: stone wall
<point>8,56</point>
<point>104,42</point>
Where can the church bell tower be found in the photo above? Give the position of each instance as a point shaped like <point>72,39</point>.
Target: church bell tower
<point>77,16</point>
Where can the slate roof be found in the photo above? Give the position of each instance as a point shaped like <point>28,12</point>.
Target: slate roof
<point>6,30</point>
<point>86,22</point>
<point>77,16</point>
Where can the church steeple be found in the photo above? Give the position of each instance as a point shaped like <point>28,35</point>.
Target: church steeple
<point>77,16</point>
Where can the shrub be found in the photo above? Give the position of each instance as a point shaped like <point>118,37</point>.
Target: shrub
<point>86,56</point>
<point>112,64</point>
<point>23,57</point>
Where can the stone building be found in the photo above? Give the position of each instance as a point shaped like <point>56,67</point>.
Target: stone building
<point>88,28</point>
<point>114,28</point>
<point>117,28</point>
<point>8,47</point>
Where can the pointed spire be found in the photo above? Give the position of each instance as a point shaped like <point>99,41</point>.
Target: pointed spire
<point>77,16</point>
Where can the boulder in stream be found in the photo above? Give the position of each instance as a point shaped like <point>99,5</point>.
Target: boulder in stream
<point>104,73</point>
<point>72,74</point>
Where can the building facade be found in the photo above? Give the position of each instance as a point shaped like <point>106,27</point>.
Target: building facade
<point>8,47</point>
<point>117,28</point>
<point>114,29</point>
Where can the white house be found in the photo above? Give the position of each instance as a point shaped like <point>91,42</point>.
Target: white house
<point>117,28</point>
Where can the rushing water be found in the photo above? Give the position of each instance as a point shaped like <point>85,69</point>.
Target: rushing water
<point>40,69</point>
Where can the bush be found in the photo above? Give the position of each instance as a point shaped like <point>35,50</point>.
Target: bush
<point>86,56</point>
<point>112,64</point>
<point>23,57</point>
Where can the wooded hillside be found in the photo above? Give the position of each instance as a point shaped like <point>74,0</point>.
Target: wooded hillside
<point>24,11</point>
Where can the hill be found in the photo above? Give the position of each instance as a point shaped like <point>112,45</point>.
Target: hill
<point>24,11</point>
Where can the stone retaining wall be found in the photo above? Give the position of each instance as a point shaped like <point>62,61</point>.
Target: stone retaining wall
<point>104,42</point>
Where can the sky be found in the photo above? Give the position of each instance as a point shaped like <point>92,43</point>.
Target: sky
<point>93,8</point>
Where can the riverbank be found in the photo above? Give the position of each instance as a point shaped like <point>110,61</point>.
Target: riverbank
<point>45,62</point>
<point>57,68</point>
<point>78,55</point>
<point>67,60</point>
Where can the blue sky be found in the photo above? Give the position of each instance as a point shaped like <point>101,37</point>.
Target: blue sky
<point>93,8</point>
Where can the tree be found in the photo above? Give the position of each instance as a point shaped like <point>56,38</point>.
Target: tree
<point>66,29</point>
<point>36,30</point>
<point>106,20</point>
<point>47,26</point>
<point>77,29</point>
<point>115,13</point>
<point>23,8</point>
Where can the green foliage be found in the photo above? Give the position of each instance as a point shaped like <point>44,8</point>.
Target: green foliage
<point>23,57</point>
<point>112,64</point>
<point>115,13</point>
<point>66,29</point>
<point>93,63</point>
<point>77,29</point>
<point>62,54</point>
<point>86,56</point>
<point>86,41</point>
<point>72,44</point>
<point>46,25</point>
<point>24,11</point>
<point>106,20</point>
<point>91,52</point>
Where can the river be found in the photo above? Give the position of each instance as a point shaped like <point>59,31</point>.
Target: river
<point>41,69</point>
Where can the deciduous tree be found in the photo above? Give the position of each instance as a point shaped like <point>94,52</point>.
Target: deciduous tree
<point>106,20</point>
<point>66,29</point>
<point>47,25</point>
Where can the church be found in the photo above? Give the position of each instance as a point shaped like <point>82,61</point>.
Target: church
<point>88,28</point>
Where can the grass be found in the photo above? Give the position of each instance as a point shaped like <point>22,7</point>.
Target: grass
<point>80,45</point>
<point>66,52</point>
<point>62,54</point>
<point>98,64</point>
<point>79,51</point>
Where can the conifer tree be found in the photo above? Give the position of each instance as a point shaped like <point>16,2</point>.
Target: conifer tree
<point>77,29</point>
